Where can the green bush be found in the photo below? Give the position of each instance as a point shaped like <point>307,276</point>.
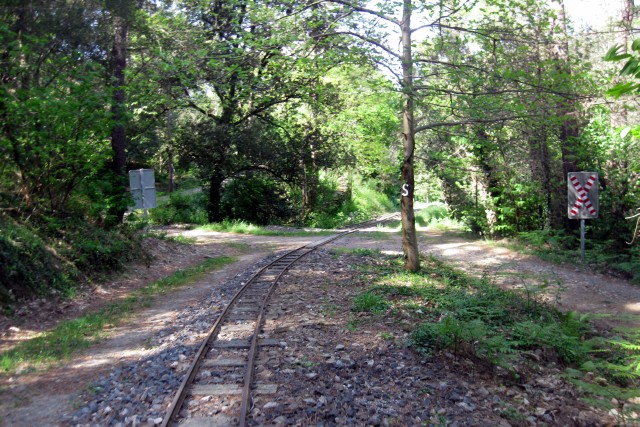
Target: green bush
<point>370,302</point>
<point>431,214</point>
<point>28,266</point>
<point>181,209</point>
<point>359,202</point>
<point>95,251</point>
<point>256,199</point>
<point>52,253</point>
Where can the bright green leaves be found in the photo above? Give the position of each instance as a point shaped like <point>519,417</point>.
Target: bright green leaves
<point>613,55</point>
<point>631,69</point>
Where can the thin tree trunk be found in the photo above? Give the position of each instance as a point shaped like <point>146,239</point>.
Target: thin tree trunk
<point>118,133</point>
<point>170,167</point>
<point>570,128</point>
<point>409,239</point>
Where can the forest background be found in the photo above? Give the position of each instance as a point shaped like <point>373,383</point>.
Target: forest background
<point>315,113</point>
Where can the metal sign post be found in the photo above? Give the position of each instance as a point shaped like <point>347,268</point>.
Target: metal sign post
<point>582,197</point>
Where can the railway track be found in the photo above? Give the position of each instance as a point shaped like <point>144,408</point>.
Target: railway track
<point>232,346</point>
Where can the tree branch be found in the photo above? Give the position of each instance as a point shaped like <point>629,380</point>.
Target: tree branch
<point>365,39</point>
<point>468,122</point>
<point>365,10</point>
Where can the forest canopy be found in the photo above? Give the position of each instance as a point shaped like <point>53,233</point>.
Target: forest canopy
<point>282,110</point>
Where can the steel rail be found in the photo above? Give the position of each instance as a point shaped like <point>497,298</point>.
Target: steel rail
<point>178,400</point>
<point>176,405</point>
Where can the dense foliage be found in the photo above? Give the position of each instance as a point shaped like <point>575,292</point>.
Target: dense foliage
<point>290,111</point>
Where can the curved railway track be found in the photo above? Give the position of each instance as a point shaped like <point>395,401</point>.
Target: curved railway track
<point>232,346</point>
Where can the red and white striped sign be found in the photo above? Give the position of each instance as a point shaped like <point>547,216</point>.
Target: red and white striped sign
<point>581,195</point>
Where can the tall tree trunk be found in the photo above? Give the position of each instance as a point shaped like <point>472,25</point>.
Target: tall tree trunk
<point>540,163</point>
<point>567,109</point>
<point>215,195</point>
<point>311,171</point>
<point>170,168</point>
<point>118,133</point>
<point>409,239</point>
<point>309,189</point>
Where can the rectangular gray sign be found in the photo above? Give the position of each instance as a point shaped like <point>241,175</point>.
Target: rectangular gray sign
<point>143,188</point>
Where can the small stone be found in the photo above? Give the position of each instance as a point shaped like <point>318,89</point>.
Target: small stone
<point>270,405</point>
<point>482,392</point>
<point>467,406</point>
<point>157,421</point>
<point>281,421</point>
<point>339,347</point>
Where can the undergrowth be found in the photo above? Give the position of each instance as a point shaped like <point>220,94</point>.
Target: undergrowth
<point>181,208</point>
<point>46,254</point>
<point>243,227</point>
<point>470,317</point>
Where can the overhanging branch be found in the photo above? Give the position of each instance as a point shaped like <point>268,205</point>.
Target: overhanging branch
<point>363,38</point>
<point>366,10</point>
<point>468,122</point>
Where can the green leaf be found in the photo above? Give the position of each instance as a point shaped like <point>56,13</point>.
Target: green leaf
<point>631,67</point>
<point>621,89</point>
<point>612,54</point>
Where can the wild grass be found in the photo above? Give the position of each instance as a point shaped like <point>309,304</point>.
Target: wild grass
<point>71,336</point>
<point>355,251</point>
<point>470,317</point>
<point>243,227</point>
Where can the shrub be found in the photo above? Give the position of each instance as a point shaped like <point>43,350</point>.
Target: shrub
<point>52,253</point>
<point>28,266</point>
<point>255,199</point>
<point>431,214</point>
<point>338,206</point>
<point>181,209</point>
<point>371,302</point>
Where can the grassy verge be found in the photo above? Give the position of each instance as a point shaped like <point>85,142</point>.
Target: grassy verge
<point>242,227</point>
<point>445,310</point>
<point>71,336</point>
